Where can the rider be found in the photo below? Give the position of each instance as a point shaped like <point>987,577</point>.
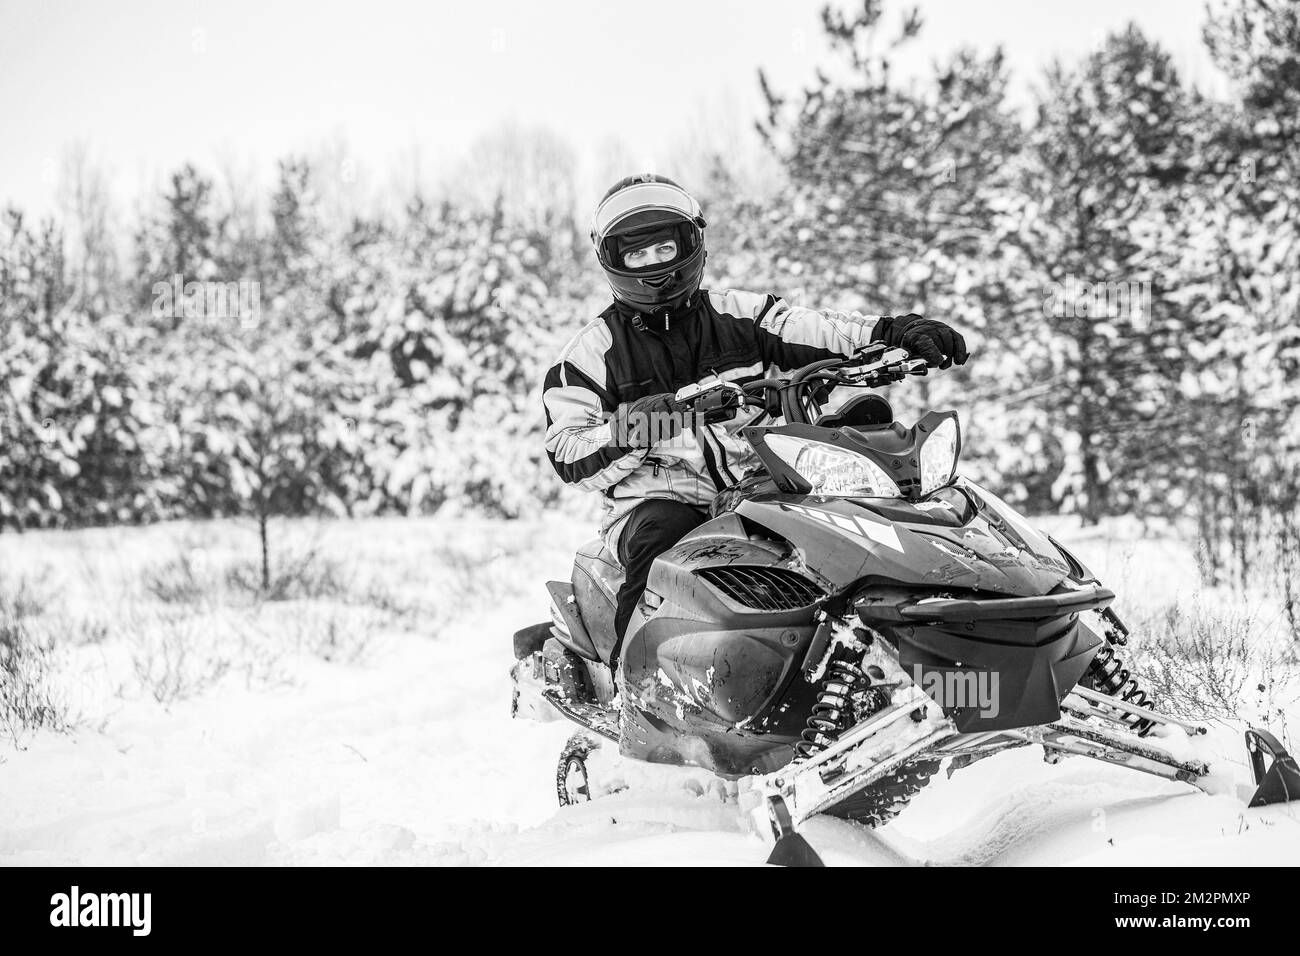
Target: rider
<point>663,332</point>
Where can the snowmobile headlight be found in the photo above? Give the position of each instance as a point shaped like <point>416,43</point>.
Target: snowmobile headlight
<point>939,456</point>
<point>832,470</point>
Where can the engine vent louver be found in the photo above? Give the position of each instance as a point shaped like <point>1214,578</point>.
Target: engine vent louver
<point>763,588</point>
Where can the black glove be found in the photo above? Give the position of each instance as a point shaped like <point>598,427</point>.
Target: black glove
<point>936,342</point>
<point>645,422</point>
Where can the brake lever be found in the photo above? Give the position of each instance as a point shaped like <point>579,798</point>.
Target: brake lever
<point>871,351</point>
<point>887,357</point>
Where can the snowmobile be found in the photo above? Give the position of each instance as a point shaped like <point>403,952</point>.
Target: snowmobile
<point>851,617</point>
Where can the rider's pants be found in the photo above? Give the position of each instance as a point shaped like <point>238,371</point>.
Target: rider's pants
<point>652,528</point>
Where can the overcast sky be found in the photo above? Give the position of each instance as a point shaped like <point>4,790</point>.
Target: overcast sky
<point>145,86</point>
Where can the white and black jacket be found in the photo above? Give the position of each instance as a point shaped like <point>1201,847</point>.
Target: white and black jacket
<point>622,356</point>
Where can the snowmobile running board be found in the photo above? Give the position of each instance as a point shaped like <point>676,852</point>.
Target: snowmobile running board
<point>535,700</point>
<point>590,716</point>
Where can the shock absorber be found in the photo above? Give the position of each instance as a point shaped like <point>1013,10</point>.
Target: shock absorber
<point>1110,676</point>
<point>832,714</point>
<point>1116,630</point>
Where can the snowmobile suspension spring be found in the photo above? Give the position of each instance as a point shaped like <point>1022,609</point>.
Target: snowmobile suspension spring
<point>833,712</point>
<point>1110,676</point>
<point>1116,630</point>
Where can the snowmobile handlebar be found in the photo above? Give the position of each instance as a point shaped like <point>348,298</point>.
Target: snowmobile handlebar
<point>796,397</point>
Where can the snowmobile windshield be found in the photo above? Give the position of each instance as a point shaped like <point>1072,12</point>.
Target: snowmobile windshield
<point>887,461</point>
<point>1012,523</point>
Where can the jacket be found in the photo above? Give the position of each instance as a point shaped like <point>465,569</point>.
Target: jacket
<point>623,355</point>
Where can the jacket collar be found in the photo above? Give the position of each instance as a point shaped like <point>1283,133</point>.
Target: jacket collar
<point>660,321</point>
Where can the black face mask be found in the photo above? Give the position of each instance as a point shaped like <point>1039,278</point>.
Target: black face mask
<point>620,245</point>
<point>633,241</point>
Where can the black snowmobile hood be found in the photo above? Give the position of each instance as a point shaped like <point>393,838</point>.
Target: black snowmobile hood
<point>965,539</point>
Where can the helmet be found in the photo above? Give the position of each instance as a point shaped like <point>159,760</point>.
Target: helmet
<point>640,210</point>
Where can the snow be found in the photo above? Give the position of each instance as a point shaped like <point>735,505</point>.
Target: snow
<point>408,756</point>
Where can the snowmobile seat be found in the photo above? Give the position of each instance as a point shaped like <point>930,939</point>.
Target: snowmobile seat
<point>597,576</point>
<point>864,411</point>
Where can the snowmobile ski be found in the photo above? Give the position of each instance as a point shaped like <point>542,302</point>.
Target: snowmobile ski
<point>1279,780</point>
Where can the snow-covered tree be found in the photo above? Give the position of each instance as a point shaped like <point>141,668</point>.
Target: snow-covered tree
<point>74,420</point>
<point>1106,157</point>
<point>1242,267</point>
<point>900,200</point>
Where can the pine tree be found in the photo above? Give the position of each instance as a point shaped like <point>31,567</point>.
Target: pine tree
<point>74,423</point>
<point>900,201</point>
<point>1242,457</point>
<point>1105,157</point>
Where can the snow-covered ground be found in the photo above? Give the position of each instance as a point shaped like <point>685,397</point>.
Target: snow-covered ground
<point>400,749</point>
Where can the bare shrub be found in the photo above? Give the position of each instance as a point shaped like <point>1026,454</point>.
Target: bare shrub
<point>190,578</point>
<point>177,654</point>
<point>305,574</point>
<point>468,576</point>
<point>30,699</point>
<point>183,579</point>
<point>382,598</point>
<point>346,638</point>
<point>24,601</point>
<point>173,656</point>
<point>1202,663</point>
<point>1287,549</point>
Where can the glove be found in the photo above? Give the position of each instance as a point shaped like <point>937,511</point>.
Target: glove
<point>936,342</point>
<point>647,421</point>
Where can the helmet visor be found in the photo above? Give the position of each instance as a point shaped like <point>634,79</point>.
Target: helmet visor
<point>652,204</point>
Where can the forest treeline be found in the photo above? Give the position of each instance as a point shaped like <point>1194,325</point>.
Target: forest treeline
<point>1124,259</point>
